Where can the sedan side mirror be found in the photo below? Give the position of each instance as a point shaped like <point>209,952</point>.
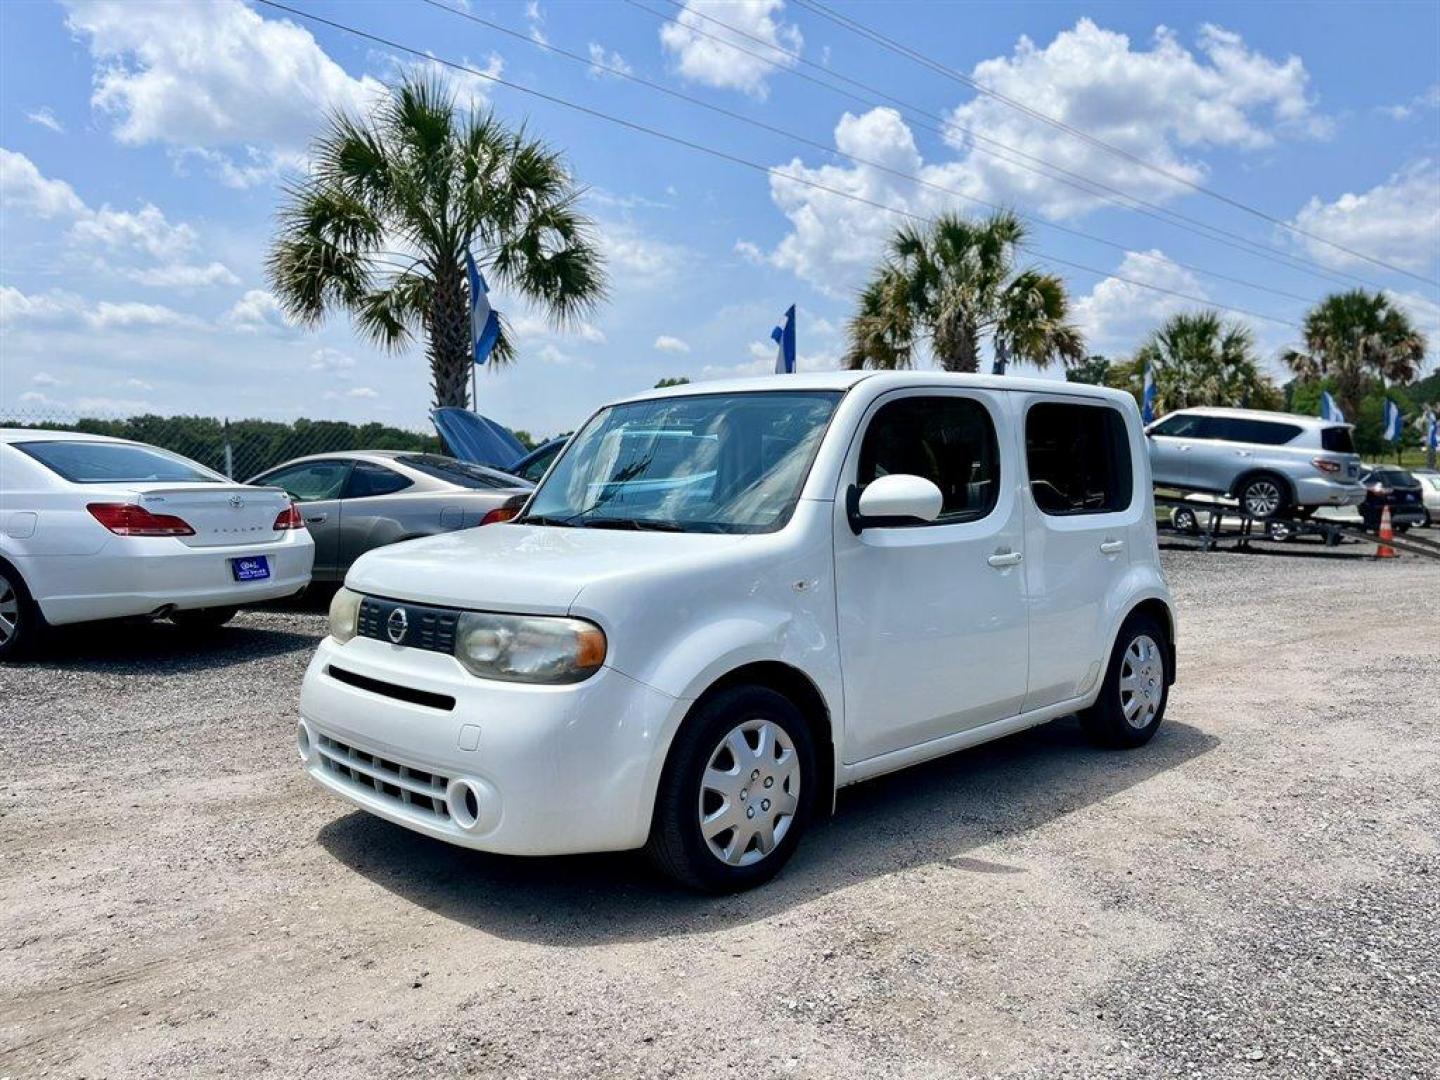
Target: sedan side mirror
<point>898,499</point>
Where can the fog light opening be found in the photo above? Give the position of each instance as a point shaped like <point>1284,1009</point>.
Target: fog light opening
<point>465,805</point>
<point>302,741</point>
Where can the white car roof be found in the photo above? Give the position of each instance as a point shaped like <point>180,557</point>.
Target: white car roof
<point>1258,414</point>
<point>14,435</point>
<point>881,381</point>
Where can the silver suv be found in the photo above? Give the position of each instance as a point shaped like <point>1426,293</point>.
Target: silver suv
<point>1273,463</point>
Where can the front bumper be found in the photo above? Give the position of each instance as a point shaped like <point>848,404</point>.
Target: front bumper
<point>548,770</point>
<point>139,575</point>
<point>1319,491</point>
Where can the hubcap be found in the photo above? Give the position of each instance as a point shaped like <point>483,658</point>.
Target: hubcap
<point>1142,681</point>
<point>9,610</point>
<point>1262,498</point>
<point>749,792</point>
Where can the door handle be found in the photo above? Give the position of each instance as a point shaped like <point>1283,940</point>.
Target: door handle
<point>1112,547</point>
<point>1243,453</point>
<point>1002,559</point>
<point>315,519</point>
<point>1183,448</point>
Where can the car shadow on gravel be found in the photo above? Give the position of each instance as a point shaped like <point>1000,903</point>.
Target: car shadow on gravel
<point>152,648</point>
<point>935,813</point>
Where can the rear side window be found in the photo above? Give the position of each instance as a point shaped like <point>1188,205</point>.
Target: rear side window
<point>1259,432</point>
<point>367,480</point>
<point>310,481</point>
<point>454,471</point>
<point>86,462</point>
<point>950,441</point>
<point>1078,457</point>
<point>1337,440</point>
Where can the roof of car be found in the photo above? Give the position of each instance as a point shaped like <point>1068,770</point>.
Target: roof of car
<point>381,456</point>
<point>13,435</point>
<point>844,380</point>
<point>1258,414</point>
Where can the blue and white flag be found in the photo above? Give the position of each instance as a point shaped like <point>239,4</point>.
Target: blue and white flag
<point>484,322</point>
<point>1329,410</point>
<point>784,338</point>
<point>1393,421</point>
<point>1432,431</point>
<point>1147,397</point>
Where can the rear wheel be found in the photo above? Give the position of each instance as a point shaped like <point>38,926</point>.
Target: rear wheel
<point>210,618</point>
<point>1263,497</point>
<point>21,623</point>
<point>1132,699</point>
<point>736,793</point>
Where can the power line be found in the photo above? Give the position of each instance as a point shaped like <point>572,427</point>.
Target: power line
<point>861,30</point>
<point>629,76</point>
<point>723,155</point>
<point>1008,154</point>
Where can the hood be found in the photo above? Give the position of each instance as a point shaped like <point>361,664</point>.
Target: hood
<point>523,568</point>
<point>477,439</point>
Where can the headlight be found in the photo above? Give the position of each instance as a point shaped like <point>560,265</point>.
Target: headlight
<point>344,614</point>
<point>528,648</point>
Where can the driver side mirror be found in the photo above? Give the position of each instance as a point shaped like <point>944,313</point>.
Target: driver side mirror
<point>898,499</point>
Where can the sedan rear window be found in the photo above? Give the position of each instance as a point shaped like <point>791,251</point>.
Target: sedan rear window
<point>86,462</point>
<point>455,471</point>
<point>1337,440</point>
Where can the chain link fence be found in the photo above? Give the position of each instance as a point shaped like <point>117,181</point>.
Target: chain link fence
<point>238,448</point>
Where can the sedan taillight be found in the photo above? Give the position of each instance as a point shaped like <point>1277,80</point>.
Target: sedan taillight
<point>126,519</point>
<point>1326,465</point>
<point>289,518</point>
<point>499,514</point>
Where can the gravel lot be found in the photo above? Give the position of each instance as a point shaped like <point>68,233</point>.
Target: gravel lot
<point>1256,893</point>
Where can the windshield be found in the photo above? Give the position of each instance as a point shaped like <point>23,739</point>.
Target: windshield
<point>85,462</point>
<point>702,463</point>
<point>459,472</point>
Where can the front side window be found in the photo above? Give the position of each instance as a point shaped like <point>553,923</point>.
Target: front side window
<point>367,480</point>
<point>950,441</point>
<point>311,481</point>
<point>86,462</point>
<point>701,463</point>
<point>1177,427</point>
<point>1078,457</point>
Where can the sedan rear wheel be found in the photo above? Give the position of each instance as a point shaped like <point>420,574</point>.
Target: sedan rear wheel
<point>20,620</point>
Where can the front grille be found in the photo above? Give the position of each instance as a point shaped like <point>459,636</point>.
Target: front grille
<point>425,627</point>
<point>411,787</point>
<point>391,690</point>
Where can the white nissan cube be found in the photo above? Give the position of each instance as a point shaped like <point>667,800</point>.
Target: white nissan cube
<point>99,528</point>
<point>725,602</point>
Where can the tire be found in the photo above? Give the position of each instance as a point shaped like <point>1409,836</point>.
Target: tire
<point>21,624</point>
<point>1279,531</point>
<point>1263,496</point>
<point>767,774</point>
<point>203,619</point>
<point>1106,722</point>
<point>1184,520</point>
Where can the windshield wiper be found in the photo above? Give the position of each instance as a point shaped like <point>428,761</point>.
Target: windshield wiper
<point>544,519</point>
<point>637,524</point>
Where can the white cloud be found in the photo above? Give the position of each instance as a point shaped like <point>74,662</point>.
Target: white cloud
<point>212,76</point>
<point>668,344</point>
<point>636,259</point>
<point>530,327</point>
<point>750,252</point>
<point>45,117</point>
<point>57,307</point>
<point>1422,102</point>
<point>1159,104</point>
<point>138,384</point>
<point>600,60</point>
<point>1424,311</point>
<point>183,276</point>
<point>22,187</point>
<point>326,358</point>
<point>144,230</point>
<point>53,306</point>
<point>44,378</point>
<point>108,315</point>
<point>1397,221</point>
<point>361,392</point>
<point>257,312</point>
<point>536,18</point>
<point>1115,315</point>
<point>711,62</point>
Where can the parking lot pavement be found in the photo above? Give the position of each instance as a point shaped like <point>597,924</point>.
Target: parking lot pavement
<point>1256,893</point>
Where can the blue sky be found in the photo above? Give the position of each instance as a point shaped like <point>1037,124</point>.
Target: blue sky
<point>144,145</point>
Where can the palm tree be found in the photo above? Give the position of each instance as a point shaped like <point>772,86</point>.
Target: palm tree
<point>952,284</point>
<point>1353,337</point>
<point>1198,359</point>
<point>393,203</point>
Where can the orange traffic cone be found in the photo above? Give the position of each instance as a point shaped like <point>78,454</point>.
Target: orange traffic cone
<point>1383,550</point>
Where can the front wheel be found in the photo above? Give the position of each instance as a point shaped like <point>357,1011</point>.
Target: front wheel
<point>736,793</point>
<point>1132,699</point>
<point>210,618</point>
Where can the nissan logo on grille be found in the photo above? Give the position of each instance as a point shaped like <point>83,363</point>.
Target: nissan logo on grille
<point>397,625</point>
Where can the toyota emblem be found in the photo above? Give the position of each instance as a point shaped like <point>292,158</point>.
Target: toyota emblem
<point>396,625</point>
<point>237,503</point>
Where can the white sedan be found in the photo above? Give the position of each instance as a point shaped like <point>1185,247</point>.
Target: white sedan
<point>100,528</point>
